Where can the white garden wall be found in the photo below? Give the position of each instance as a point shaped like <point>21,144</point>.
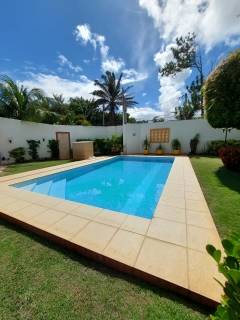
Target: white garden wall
<point>184,130</point>
<point>18,132</point>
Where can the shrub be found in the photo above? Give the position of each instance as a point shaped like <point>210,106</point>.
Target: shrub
<point>146,143</point>
<point>194,143</point>
<point>107,146</point>
<point>17,154</point>
<point>222,94</point>
<point>176,145</point>
<point>159,147</point>
<point>230,157</point>
<point>33,146</point>
<point>214,146</point>
<point>53,148</point>
<point>229,266</point>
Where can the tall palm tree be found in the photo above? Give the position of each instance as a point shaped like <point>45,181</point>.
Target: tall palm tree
<point>16,101</point>
<point>127,101</point>
<point>111,95</point>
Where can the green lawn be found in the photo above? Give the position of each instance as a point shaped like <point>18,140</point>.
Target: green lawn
<point>39,280</point>
<point>27,166</point>
<point>221,188</point>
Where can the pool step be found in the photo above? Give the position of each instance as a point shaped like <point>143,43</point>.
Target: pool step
<point>58,188</point>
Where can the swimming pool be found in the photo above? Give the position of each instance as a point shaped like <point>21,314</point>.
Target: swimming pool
<point>128,184</point>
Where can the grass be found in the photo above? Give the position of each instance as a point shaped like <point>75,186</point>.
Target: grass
<point>39,280</point>
<point>27,166</point>
<point>221,188</point>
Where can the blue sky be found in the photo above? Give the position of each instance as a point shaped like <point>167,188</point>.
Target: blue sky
<point>63,45</point>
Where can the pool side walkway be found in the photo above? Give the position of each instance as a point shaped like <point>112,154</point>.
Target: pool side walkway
<point>168,250</point>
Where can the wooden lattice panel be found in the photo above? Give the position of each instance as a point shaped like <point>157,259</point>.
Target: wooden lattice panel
<point>159,135</point>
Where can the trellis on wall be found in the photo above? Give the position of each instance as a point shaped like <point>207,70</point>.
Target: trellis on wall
<point>160,135</point>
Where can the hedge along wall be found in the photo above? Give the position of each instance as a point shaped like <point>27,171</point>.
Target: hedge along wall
<point>18,132</point>
<point>183,130</point>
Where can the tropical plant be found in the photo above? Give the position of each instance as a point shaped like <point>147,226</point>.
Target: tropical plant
<point>229,266</point>
<point>222,94</point>
<point>17,154</point>
<point>176,145</point>
<point>146,143</point>
<point>33,146</point>
<point>53,148</point>
<point>194,143</point>
<point>111,95</point>
<point>186,54</point>
<point>214,146</point>
<point>17,102</point>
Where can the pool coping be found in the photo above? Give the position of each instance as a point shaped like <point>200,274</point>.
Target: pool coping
<point>167,250</point>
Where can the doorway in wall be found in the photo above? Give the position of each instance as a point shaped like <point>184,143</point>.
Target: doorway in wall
<point>63,139</point>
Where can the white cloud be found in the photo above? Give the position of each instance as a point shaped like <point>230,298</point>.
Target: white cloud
<point>144,113</point>
<point>63,61</point>
<point>52,84</point>
<point>112,65</point>
<point>213,21</point>
<point>144,94</point>
<point>131,75</point>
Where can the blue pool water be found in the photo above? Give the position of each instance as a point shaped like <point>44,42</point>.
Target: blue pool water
<point>131,185</point>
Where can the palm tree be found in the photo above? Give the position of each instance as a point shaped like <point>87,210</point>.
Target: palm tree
<point>111,95</point>
<point>16,101</point>
<point>127,101</point>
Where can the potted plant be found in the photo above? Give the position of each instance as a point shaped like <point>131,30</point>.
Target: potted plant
<point>159,150</point>
<point>176,147</point>
<point>146,145</point>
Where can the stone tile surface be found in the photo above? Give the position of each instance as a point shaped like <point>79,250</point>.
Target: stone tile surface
<point>136,224</point>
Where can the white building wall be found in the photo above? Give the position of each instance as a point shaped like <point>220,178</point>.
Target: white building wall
<point>19,131</point>
<point>183,130</point>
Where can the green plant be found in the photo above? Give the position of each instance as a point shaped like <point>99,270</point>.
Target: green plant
<point>176,145</point>
<point>215,145</point>
<point>146,143</point>
<point>230,157</point>
<point>194,143</point>
<point>33,146</point>
<point>222,94</point>
<point>53,148</point>
<point>159,147</point>
<point>229,266</point>
<point>17,154</point>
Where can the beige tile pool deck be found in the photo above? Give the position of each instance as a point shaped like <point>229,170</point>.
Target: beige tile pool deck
<point>167,250</point>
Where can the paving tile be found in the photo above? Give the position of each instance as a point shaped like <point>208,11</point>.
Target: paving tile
<point>29,212</point>
<point>196,205</point>
<point>199,219</point>
<point>6,201</point>
<point>95,236</point>
<point>136,224</point>
<point>111,218</point>
<point>164,260</point>
<point>202,271</point>
<point>194,195</point>
<point>124,247</point>
<point>170,213</point>
<point>16,205</point>
<point>66,206</point>
<point>47,201</point>
<point>47,218</point>
<point>173,202</point>
<point>88,212</point>
<point>198,238</point>
<point>68,226</point>
<point>167,230</point>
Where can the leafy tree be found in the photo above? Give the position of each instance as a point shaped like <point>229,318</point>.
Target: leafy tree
<point>17,102</point>
<point>186,54</point>
<point>185,112</point>
<point>222,94</point>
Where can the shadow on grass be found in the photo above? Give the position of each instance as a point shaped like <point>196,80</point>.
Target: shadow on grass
<point>228,178</point>
<point>88,263</point>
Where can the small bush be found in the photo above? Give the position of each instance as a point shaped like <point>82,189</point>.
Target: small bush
<point>108,146</point>
<point>230,157</point>
<point>33,146</point>
<point>214,146</point>
<point>18,154</point>
<point>194,143</point>
<point>53,148</point>
<point>229,266</point>
<point>176,145</point>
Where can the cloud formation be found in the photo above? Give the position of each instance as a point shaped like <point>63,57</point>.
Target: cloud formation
<point>65,62</point>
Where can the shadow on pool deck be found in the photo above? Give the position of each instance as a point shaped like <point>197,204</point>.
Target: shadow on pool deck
<point>103,269</point>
